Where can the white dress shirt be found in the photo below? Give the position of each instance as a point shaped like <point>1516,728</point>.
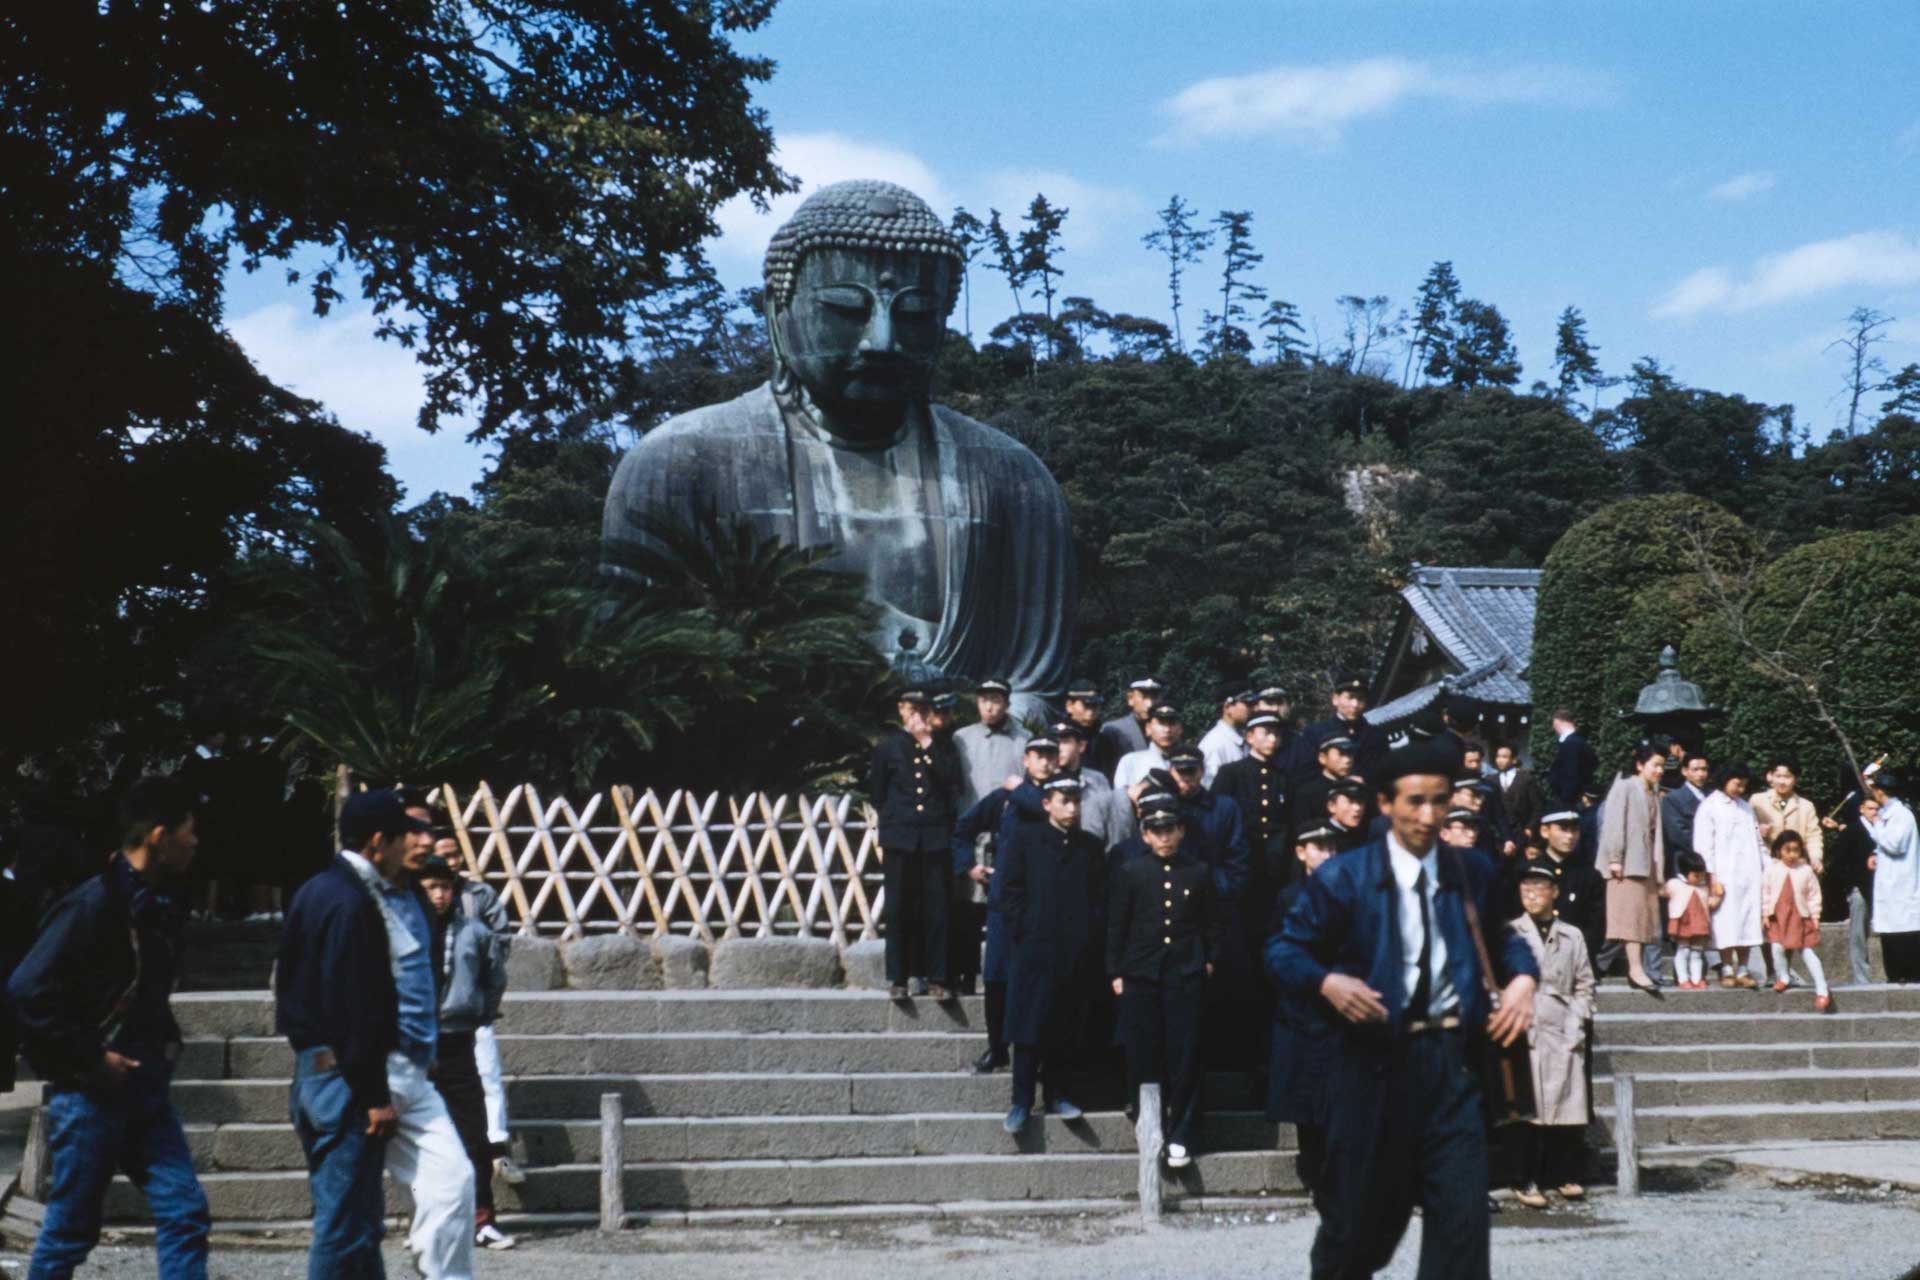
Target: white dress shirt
<point>1443,999</point>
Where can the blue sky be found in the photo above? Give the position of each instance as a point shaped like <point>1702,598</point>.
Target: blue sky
<point>1713,184</point>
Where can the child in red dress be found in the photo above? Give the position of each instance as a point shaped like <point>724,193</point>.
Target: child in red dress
<point>1790,894</point>
<point>1691,897</point>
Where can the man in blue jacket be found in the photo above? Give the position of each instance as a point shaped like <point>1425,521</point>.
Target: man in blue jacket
<point>358,1003</point>
<point>1381,935</point>
<point>91,997</point>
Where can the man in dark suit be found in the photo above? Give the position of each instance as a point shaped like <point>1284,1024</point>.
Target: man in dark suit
<point>1349,699</point>
<point>1382,935</point>
<point>1583,891</point>
<point>1570,776</point>
<point>1679,805</point>
<point>1517,795</point>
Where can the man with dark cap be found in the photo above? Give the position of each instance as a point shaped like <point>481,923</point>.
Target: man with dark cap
<point>1225,742</point>
<point>1334,761</point>
<point>1346,815</point>
<point>1349,701</point>
<point>1084,701</point>
<point>941,710</point>
<point>1124,735</point>
<point>1163,932</point>
<point>990,748</point>
<point>1099,816</point>
<point>359,1005</point>
<point>1052,879</point>
<point>92,996</point>
<point>1583,891</point>
<point>1385,935</point>
<point>1258,785</point>
<point>913,784</point>
<point>978,837</point>
<point>1164,732</point>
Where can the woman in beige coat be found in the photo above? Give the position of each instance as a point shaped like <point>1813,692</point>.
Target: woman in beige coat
<point>1633,858</point>
<point>1562,1012</point>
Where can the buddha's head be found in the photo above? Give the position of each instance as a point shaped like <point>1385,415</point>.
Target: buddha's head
<point>859,284</point>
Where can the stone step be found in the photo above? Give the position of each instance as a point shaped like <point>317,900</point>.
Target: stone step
<point>1744,1124</point>
<point>263,1147</point>
<point>1718,1028</point>
<point>256,1057</point>
<point>1692,1091</point>
<point>712,1095</point>
<point>1670,1059</point>
<point>1615,997</point>
<point>738,1184</point>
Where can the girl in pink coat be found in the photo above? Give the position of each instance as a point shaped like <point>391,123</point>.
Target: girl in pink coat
<point>1790,892</point>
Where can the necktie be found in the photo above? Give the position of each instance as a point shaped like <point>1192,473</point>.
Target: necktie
<point>1423,988</point>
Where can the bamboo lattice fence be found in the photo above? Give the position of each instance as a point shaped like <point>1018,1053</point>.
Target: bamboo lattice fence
<point>714,867</point>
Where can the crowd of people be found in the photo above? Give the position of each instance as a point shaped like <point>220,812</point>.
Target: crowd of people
<point>1307,904</point>
<point>389,979</point>
<point>1363,926</point>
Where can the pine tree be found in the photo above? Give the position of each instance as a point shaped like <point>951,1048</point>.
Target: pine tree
<point>1285,335</point>
<point>1433,318</point>
<point>1182,243</point>
<point>972,235</point>
<point>1007,258</point>
<point>1575,360</point>
<point>1483,353</point>
<point>1905,386</point>
<point>1224,336</point>
<point>1039,249</point>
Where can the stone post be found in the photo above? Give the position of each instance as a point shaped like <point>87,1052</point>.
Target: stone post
<point>1147,1135</point>
<point>613,1163</point>
<point>1626,1143</point>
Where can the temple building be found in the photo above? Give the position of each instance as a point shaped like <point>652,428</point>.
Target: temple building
<point>1467,633</point>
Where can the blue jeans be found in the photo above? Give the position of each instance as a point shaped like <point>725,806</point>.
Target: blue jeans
<point>90,1133</point>
<point>343,1172</point>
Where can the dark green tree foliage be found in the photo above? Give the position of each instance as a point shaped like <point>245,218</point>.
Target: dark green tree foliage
<point>1483,353</point>
<point>1227,330</point>
<point>1083,318</point>
<point>507,180</point>
<point>1673,437</point>
<point>1905,386</point>
<point>1432,349</point>
<point>1593,577</point>
<point>1576,361</point>
<point>1286,337</point>
<point>1008,259</point>
<point>1039,251</point>
<point>146,459</point>
<point>1182,244</point>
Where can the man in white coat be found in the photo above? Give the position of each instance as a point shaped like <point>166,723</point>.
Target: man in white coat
<point>1895,864</point>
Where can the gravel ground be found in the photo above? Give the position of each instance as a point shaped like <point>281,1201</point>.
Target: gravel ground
<point>1732,1229</point>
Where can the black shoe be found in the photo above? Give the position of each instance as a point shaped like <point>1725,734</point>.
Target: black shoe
<point>988,1063</point>
<point>1652,989</point>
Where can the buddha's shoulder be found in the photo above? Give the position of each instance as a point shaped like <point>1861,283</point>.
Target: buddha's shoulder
<point>726,424</point>
<point>971,433</point>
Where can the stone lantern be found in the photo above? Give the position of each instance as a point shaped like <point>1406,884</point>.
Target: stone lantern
<point>1673,706</point>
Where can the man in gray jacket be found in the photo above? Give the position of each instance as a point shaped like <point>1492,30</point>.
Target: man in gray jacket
<point>470,973</point>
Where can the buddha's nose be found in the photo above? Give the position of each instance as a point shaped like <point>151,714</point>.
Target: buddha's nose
<point>879,334</point>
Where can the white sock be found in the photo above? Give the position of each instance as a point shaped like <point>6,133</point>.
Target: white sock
<point>1697,963</point>
<point>1782,971</point>
<point>1811,959</point>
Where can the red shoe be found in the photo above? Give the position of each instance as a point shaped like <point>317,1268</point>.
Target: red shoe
<point>1823,1004</point>
<point>1779,987</point>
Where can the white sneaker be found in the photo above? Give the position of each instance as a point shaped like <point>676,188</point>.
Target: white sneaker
<point>510,1172</point>
<point>492,1237</point>
<point>1177,1157</point>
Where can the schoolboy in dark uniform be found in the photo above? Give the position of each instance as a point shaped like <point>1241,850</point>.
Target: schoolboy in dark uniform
<point>1163,931</point>
<point>913,784</point>
<point>1304,1031</point>
<point>1052,881</point>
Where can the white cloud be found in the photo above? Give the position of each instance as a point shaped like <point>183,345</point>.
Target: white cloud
<point>818,160</point>
<point>1866,259</point>
<point>370,385</point>
<point>1313,103</point>
<point>1744,187</point>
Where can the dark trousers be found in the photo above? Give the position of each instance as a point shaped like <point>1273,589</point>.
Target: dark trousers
<point>343,1172</point>
<point>996,1019</point>
<point>131,1128</point>
<point>918,894</point>
<point>1310,1161</point>
<point>1405,1129</point>
<point>457,1077</point>
<point>1551,1155</point>
<point>1048,1067</point>
<point>1160,1028</point>
<point>965,920</point>
<point>1901,952</point>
